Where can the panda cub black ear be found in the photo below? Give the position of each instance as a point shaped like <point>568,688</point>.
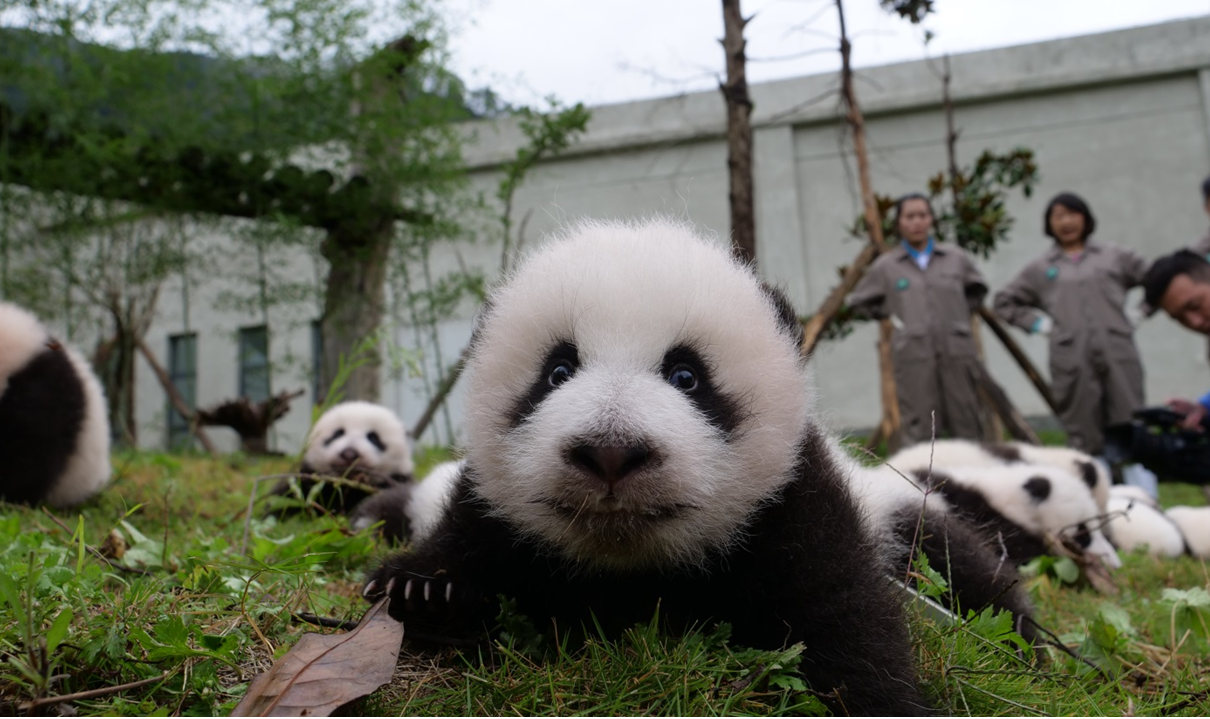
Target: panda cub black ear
<point>1088,472</point>
<point>1038,488</point>
<point>787,318</point>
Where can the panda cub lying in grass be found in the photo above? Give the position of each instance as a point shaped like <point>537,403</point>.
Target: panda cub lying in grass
<point>355,449</point>
<point>54,431</point>
<point>640,435</point>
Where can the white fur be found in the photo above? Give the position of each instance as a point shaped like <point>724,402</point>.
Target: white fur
<point>964,453</point>
<point>430,497</point>
<point>1068,505</point>
<point>1135,525</point>
<point>1194,523</point>
<point>88,469</point>
<point>358,420</point>
<point>1131,492</point>
<point>624,294</point>
<point>23,338</point>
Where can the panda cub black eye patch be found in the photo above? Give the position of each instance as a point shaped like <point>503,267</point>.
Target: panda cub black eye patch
<point>375,440</point>
<point>334,436</point>
<point>684,368</point>
<point>558,366</point>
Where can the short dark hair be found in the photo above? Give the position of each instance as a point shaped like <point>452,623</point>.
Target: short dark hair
<point>1075,203</point>
<point>905,198</point>
<point>1165,269</point>
<point>1206,189</point>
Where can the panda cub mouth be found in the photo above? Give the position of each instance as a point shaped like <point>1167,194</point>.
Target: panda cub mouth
<point>610,509</point>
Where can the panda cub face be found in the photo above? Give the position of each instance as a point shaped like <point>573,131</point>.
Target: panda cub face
<point>633,413</point>
<point>360,438</point>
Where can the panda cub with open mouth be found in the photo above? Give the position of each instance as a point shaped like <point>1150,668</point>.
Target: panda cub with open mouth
<point>639,435</point>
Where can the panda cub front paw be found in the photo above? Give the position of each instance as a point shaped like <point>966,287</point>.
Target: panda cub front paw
<point>412,593</point>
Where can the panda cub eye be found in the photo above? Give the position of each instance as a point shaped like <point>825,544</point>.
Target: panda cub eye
<point>334,436</point>
<point>683,377</point>
<point>560,373</point>
<point>375,440</point>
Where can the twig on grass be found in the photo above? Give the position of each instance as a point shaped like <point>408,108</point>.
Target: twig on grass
<point>90,694</point>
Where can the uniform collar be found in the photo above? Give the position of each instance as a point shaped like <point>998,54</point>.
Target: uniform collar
<point>905,251</point>
<point>1056,252</point>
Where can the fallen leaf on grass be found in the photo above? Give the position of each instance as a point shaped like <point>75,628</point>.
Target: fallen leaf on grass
<point>324,671</point>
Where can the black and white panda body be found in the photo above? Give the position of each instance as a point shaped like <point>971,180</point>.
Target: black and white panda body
<point>409,510</point>
<point>1024,508</point>
<point>907,519</point>
<point>54,432</point>
<point>638,436</point>
<point>360,443</point>
<point>943,453</point>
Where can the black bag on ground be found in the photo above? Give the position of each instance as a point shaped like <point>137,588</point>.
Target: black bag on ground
<point>1155,439</point>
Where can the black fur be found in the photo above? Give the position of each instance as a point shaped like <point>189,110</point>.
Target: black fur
<point>719,410</point>
<point>41,415</point>
<point>386,506</point>
<point>1088,472</point>
<point>1017,542</point>
<point>564,353</point>
<point>978,576</point>
<point>805,571</point>
<point>787,318</point>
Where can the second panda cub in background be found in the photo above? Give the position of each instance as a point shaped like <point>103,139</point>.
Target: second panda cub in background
<point>361,447</point>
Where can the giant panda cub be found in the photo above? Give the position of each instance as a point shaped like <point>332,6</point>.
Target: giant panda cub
<point>1024,508</point>
<point>363,447</point>
<point>1136,523</point>
<point>906,518</point>
<point>944,453</point>
<point>639,436</point>
<point>54,431</point>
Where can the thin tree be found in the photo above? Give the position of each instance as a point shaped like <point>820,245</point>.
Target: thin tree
<point>739,133</point>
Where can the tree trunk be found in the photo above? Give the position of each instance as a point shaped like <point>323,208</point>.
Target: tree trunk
<point>889,423</point>
<point>739,134</point>
<point>354,302</point>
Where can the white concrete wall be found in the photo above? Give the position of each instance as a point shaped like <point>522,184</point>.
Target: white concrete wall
<point>1122,118</point>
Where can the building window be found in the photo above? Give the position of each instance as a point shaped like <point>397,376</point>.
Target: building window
<point>182,372</point>
<point>317,359</point>
<point>254,363</point>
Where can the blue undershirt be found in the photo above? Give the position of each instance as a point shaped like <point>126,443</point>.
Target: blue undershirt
<point>922,257</point>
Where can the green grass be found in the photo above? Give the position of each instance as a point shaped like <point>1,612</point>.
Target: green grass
<point>204,598</point>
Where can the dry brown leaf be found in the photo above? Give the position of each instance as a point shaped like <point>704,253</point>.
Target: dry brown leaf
<point>324,671</point>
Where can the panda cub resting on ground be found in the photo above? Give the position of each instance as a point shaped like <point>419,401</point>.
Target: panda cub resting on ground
<point>54,432</point>
<point>639,436</point>
<point>365,447</point>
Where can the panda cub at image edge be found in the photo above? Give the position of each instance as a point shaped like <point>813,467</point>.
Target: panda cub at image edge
<point>360,442</point>
<point>639,436</point>
<point>54,430</point>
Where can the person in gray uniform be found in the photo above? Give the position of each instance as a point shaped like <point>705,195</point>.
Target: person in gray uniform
<point>1074,293</point>
<point>928,290</point>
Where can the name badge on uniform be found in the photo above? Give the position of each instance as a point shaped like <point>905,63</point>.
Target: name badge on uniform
<point>901,284</point>
<point>1052,272</point>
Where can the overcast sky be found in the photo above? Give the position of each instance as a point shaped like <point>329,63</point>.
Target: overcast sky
<point>602,51</point>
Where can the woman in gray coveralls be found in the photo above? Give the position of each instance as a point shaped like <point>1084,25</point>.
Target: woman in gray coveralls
<point>1074,292</point>
<point>928,290</point>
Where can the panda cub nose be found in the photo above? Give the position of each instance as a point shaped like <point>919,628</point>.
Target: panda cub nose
<point>610,463</point>
<point>350,455</point>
